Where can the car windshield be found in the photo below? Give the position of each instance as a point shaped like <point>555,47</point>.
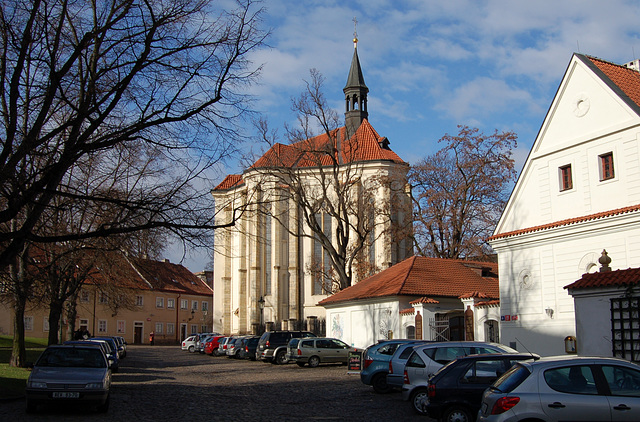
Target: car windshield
<point>87,357</point>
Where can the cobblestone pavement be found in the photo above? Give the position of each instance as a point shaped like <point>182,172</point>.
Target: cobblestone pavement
<point>164,383</point>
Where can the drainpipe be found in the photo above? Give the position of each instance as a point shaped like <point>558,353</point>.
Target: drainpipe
<point>177,327</point>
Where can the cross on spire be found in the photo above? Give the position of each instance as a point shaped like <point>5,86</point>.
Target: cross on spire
<point>355,32</point>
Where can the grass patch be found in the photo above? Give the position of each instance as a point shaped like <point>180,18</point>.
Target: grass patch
<point>14,380</point>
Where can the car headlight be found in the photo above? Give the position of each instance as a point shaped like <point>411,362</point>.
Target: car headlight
<point>95,385</point>
<point>36,384</point>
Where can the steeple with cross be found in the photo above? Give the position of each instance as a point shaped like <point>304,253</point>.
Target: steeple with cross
<point>355,91</point>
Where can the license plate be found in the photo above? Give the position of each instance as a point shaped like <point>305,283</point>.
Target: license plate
<point>66,395</point>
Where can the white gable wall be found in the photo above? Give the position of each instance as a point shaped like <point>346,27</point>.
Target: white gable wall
<point>586,119</point>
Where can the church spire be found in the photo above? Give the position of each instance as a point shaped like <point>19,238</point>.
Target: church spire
<point>355,91</point>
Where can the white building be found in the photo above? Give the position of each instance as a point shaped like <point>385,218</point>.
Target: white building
<point>578,193</point>
<point>263,261</point>
<point>419,298</point>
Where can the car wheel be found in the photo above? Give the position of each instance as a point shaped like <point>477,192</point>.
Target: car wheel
<point>216,352</point>
<point>457,414</point>
<point>300,364</point>
<point>419,400</point>
<point>314,361</point>
<point>104,407</point>
<point>192,349</point>
<point>379,383</point>
<point>281,358</point>
<point>31,407</point>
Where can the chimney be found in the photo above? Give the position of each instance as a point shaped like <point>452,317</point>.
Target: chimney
<point>634,64</point>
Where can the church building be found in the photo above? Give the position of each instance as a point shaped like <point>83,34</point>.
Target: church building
<point>340,196</point>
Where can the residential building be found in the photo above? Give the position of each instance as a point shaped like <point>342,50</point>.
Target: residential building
<point>147,296</point>
<point>578,194</point>
<point>270,268</point>
<point>418,298</point>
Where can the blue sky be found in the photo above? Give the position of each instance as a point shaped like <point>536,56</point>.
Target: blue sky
<point>433,64</point>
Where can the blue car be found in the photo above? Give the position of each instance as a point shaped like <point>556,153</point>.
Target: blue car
<point>113,355</point>
<point>375,364</point>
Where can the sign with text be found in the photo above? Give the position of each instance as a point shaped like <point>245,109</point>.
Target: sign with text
<point>355,362</point>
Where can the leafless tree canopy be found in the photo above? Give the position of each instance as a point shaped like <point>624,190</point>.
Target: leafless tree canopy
<point>135,98</point>
<point>460,191</point>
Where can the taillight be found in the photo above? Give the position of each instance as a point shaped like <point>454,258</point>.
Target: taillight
<point>503,404</point>
<point>431,390</point>
<point>390,367</point>
<point>246,349</point>
<point>299,352</point>
<point>406,378</point>
<point>267,344</point>
<point>367,361</point>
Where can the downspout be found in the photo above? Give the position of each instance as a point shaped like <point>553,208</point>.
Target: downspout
<point>178,318</point>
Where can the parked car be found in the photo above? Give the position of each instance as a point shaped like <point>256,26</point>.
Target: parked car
<point>395,375</point>
<point>104,347</point>
<point>200,344</point>
<point>231,346</point>
<point>427,359</point>
<point>189,343</point>
<point>375,364</point>
<point>222,346</point>
<point>272,346</point>
<point>568,388</point>
<point>248,347</point>
<point>122,345</point>
<point>315,351</point>
<point>211,345</point>
<point>69,374</point>
<point>113,350</point>
<point>455,391</point>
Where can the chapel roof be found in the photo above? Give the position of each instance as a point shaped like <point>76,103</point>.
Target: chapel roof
<point>425,277</point>
<point>618,278</point>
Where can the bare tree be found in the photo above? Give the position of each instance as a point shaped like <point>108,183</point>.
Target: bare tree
<point>84,78</point>
<point>342,199</point>
<point>460,191</point>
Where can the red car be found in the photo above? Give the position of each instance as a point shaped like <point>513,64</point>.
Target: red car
<point>211,346</point>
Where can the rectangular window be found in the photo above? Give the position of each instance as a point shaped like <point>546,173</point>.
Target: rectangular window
<point>84,296</point>
<point>194,305</point>
<point>28,323</point>
<point>194,329</point>
<point>45,326</point>
<point>171,303</point>
<point>103,298</point>
<point>184,303</point>
<point>606,166</point>
<point>158,328</point>
<point>121,326</point>
<point>205,306</point>
<point>84,324</point>
<point>170,328</point>
<point>159,302</point>
<point>102,325</point>
<point>566,182</point>
<point>139,300</point>
<point>268,265</point>
<point>321,260</point>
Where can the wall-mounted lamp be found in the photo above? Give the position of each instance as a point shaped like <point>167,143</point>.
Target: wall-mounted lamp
<point>549,312</point>
<point>193,314</point>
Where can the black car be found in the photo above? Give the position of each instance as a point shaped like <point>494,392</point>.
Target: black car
<point>247,348</point>
<point>455,391</point>
<point>272,346</point>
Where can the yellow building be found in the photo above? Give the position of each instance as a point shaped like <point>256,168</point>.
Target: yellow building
<point>148,297</point>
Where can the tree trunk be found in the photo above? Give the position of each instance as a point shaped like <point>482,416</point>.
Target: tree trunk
<point>18,351</point>
<point>55,312</point>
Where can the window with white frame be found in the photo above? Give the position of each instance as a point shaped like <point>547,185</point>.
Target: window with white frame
<point>194,305</point>
<point>121,326</point>
<point>102,325</point>
<point>194,329</point>
<point>28,323</point>
<point>205,306</point>
<point>45,325</point>
<point>184,304</point>
<point>171,303</point>
<point>159,302</point>
<point>158,328</point>
<point>170,328</point>
<point>566,181</point>
<point>139,300</point>
<point>84,324</point>
<point>84,296</point>
<point>103,298</point>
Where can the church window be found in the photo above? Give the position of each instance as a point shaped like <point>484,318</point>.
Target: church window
<point>321,259</point>
<point>566,182</point>
<point>268,265</point>
<point>606,166</point>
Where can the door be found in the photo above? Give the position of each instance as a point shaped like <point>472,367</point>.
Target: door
<point>137,332</point>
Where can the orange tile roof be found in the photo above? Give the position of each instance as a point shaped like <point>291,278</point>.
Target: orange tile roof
<point>408,311</point>
<point>365,145</point>
<point>229,182</point>
<point>618,278</point>
<point>424,300</point>
<point>487,303</point>
<point>422,276</point>
<point>568,221</point>
<point>165,276</point>
<point>479,295</point>
<point>626,79</point>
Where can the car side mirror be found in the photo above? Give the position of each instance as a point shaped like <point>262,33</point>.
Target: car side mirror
<point>29,365</point>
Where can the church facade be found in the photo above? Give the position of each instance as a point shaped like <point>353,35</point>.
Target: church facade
<point>300,208</point>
